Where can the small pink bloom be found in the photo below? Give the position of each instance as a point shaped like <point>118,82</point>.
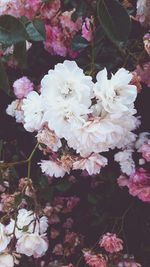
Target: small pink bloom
<point>50,9</point>
<point>87,29</point>
<point>146,40</point>
<point>94,260</point>
<point>144,73</point>
<point>122,181</point>
<point>145,150</point>
<point>58,250</point>
<point>22,87</point>
<point>111,243</point>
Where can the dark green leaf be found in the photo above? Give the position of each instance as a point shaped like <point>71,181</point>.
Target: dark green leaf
<point>63,186</point>
<point>79,43</point>
<point>11,30</point>
<point>4,82</point>
<point>80,10</point>
<point>114,19</point>
<point>36,30</point>
<point>20,54</point>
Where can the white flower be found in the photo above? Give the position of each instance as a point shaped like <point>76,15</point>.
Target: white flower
<point>33,107</point>
<point>49,138</point>
<point>28,222</point>
<point>6,260</point>
<point>67,95</point>
<point>126,162</point>
<point>4,239</point>
<point>52,168</point>
<point>32,245</point>
<point>101,134</point>
<point>15,110</point>
<point>92,164</point>
<point>116,94</point>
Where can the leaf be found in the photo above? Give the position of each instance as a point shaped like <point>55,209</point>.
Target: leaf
<point>114,20</point>
<point>4,82</point>
<point>36,30</point>
<point>12,30</point>
<point>20,54</point>
<point>63,186</point>
<point>80,10</point>
<point>79,43</point>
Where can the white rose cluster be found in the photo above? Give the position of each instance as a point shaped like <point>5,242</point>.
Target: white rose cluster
<point>92,117</point>
<point>29,230</point>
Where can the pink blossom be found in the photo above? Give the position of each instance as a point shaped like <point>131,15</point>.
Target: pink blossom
<point>58,250</point>
<point>138,184</point>
<point>22,87</point>
<point>94,260</point>
<point>59,34</point>
<point>144,73</point>
<point>50,9</point>
<point>111,243</point>
<point>146,40</point>
<point>87,30</point>
<point>55,41</point>
<point>145,150</point>
<point>72,238</point>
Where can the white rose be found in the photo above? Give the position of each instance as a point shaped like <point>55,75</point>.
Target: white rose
<point>6,260</point>
<point>4,239</point>
<point>32,245</point>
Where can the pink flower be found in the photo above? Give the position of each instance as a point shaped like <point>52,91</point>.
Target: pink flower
<point>59,34</point>
<point>111,243</point>
<point>55,41</point>
<point>138,184</point>
<point>146,40</point>
<point>50,9</point>
<point>94,260</point>
<point>87,30</point>
<point>22,87</point>
<point>145,150</point>
<point>58,250</point>
<point>144,73</point>
<point>122,180</point>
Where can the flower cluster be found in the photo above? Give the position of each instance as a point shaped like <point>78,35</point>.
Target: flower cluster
<point>90,117</point>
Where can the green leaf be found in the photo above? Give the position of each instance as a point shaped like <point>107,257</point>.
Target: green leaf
<point>63,186</point>
<point>79,43</point>
<point>80,10</point>
<point>4,82</point>
<point>12,30</point>
<point>36,30</point>
<point>20,54</point>
<point>114,20</point>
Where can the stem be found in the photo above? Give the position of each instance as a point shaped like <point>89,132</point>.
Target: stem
<point>30,159</point>
<point>16,163</point>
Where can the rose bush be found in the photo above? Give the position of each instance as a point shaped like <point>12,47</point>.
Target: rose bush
<point>74,136</point>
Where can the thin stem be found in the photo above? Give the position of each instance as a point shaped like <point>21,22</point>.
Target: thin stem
<point>16,163</point>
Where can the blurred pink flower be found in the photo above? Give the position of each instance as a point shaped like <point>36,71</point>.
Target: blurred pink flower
<point>94,260</point>
<point>145,150</point>
<point>144,73</point>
